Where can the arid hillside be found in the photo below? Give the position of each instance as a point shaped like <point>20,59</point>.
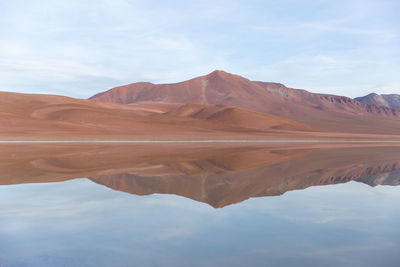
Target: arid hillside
<point>322,111</point>
<point>385,100</point>
<point>30,116</point>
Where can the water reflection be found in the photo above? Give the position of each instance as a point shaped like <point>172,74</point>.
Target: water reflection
<point>50,218</point>
<point>216,174</point>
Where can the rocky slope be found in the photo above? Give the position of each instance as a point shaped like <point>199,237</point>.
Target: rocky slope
<point>328,112</point>
<point>389,100</point>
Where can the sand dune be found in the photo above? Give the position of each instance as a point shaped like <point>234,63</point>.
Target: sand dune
<point>51,117</point>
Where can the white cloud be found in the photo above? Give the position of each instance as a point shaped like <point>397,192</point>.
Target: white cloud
<point>80,48</point>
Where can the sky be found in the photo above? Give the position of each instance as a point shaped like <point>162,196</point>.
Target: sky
<point>81,47</point>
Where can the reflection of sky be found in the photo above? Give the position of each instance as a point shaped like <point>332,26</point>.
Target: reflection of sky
<point>79,223</point>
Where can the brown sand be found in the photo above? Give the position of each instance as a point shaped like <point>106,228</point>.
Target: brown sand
<point>48,117</point>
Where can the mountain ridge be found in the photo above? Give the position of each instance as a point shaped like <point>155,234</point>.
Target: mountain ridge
<point>323,111</point>
<point>385,100</point>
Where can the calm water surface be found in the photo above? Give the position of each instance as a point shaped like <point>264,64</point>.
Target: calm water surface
<point>334,212</point>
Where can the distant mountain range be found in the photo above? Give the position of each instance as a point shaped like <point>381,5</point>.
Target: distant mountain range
<point>389,100</point>
<point>218,105</point>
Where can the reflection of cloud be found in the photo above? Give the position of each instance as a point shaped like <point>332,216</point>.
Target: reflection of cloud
<point>80,222</point>
<point>330,204</point>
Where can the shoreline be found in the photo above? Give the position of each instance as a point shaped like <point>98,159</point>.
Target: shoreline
<point>199,141</point>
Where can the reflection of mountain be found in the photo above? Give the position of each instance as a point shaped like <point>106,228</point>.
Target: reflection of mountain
<point>321,167</point>
<point>217,174</point>
<point>389,178</point>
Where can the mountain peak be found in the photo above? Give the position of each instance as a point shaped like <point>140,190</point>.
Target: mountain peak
<point>372,95</point>
<point>222,74</point>
<point>219,72</point>
<point>220,87</point>
<point>390,101</point>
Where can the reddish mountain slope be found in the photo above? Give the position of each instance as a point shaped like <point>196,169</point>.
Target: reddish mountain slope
<point>329,112</point>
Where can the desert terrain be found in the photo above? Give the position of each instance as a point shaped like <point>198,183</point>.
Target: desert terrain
<point>330,113</point>
<point>217,106</point>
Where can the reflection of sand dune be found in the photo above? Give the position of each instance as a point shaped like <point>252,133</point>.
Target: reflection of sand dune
<point>219,175</point>
<point>46,162</point>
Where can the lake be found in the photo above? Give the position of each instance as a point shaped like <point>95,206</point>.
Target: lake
<point>199,205</point>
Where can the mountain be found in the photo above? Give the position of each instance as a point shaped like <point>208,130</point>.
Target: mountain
<point>322,111</point>
<point>216,106</point>
<point>389,100</point>
<point>30,116</point>
<point>216,174</point>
